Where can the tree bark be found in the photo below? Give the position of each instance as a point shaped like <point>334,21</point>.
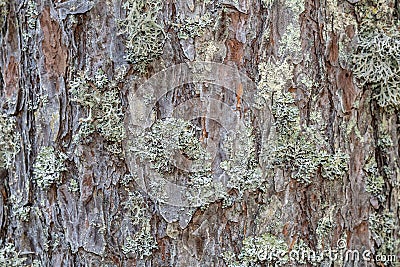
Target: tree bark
<point>77,204</point>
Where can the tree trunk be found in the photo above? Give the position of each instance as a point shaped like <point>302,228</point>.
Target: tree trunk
<point>278,132</point>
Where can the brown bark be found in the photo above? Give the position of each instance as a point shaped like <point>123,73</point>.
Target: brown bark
<point>42,52</point>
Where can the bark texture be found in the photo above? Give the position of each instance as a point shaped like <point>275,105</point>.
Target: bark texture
<point>68,191</point>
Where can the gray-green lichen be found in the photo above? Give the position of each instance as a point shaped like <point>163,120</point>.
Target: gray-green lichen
<point>376,60</point>
<point>272,250</point>
<point>242,165</point>
<point>3,12</point>
<point>192,27</point>
<point>101,99</point>
<point>73,186</point>
<point>166,137</point>
<point>375,184</point>
<point>264,249</point>
<point>9,141</point>
<point>290,42</point>
<point>376,63</point>
<point>19,210</point>
<point>376,14</point>
<point>48,167</point>
<point>301,149</point>
<point>382,227</point>
<point>141,243</point>
<point>10,257</point>
<point>324,229</point>
<point>173,149</point>
<point>31,16</point>
<point>144,37</point>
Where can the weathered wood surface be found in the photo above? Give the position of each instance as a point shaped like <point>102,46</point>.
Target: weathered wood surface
<point>45,44</point>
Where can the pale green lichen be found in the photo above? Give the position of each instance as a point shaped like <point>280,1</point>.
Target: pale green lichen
<point>290,42</point>
<point>339,16</point>
<point>172,147</point>
<point>298,148</point>
<point>19,210</point>
<point>3,12</point>
<point>22,213</point>
<point>10,257</point>
<point>9,141</point>
<point>376,63</point>
<point>142,243</point>
<point>110,117</point>
<point>263,250</point>
<point>382,227</point>
<point>376,13</point>
<point>31,16</point>
<point>324,229</point>
<point>339,22</point>
<point>242,166</point>
<point>192,27</point>
<point>375,184</point>
<point>376,60</point>
<point>73,186</point>
<point>144,37</point>
<point>101,98</point>
<point>271,250</point>
<point>165,139</point>
<point>48,167</point>
<point>384,139</point>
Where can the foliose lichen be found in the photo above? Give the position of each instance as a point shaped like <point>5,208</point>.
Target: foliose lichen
<point>192,27</point>
<point>375,184</point>
<point>376,63</point>
<point>172,147</point>
<point>301,149</point>
<point>264,249</point>
<point>375,58</point>
<point>31,16</point>
<point>324,228</point>
<point>290,42</point>
<point>9,141</point>
<point>100,97</point>
<point>142,243</point>
<point>144,37</point>
<point>48,167</point>
<point>165,138</point>
<point>3,12</point>
<point>19,210</point>
<point>382,227</point>
<point>242,165</point>
<point>10,257</point>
